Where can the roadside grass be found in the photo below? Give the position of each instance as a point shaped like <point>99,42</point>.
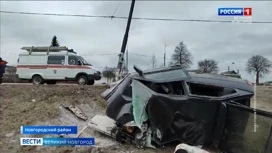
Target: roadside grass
<point>40,103</point>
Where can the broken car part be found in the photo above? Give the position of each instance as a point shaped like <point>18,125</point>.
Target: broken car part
<point>169,104</point>
<point>76,111</point>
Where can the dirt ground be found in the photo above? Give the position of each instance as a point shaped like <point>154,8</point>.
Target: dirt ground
<point>41,105</point>
<point>263,98</point>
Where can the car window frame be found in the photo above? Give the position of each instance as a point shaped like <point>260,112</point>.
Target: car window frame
<point>61,61</point>
<point>76,61</point>
<point>210,97</point>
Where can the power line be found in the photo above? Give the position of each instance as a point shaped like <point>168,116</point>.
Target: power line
<point>146,55</point>
<point>116,8</point>
<point>100,54</point>
<point>142,55</point>
<point>134,18</point>
<point>56,14</point>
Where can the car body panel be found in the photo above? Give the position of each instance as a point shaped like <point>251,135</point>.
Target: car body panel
<point>240,136</point>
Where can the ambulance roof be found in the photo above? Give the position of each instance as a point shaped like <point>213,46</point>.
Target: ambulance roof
<point>25,53</point>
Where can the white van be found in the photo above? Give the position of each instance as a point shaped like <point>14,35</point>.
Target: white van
<point>51,64</point>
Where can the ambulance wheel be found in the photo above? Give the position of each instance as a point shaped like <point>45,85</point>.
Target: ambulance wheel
<point>82,80</point>
<point>37,79</point>
<point>91,82</point>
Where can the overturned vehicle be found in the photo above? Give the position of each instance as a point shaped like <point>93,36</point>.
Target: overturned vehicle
<point>155,107</point>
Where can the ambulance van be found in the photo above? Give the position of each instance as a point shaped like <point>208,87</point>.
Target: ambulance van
<point>51,64</point>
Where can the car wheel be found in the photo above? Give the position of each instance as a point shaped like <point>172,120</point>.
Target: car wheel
<point>51,82</point>
<point>91,82</point>
<point>36,79</point>
<point>82,80</point>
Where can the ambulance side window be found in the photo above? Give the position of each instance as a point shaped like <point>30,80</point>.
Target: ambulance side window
<point>72,60</point>
<point>55,59</point>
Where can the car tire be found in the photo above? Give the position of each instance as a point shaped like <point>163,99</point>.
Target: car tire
<point>82,80</point>
<point>37,80</point>
<point>51,82</point>
<point>91,82</point>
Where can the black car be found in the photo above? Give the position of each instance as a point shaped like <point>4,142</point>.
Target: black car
<point>159,106</point>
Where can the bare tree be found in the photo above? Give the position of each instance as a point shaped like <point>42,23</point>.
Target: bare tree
<point>208,66</point>
<point>259,65</point>
<point>154,61</point>
<point>182,56</point>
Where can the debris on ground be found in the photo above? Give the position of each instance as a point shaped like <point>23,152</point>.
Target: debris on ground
<point>103,124</point>
<point>77,111</point>
<point>185,148</point>
<point>10,134</point>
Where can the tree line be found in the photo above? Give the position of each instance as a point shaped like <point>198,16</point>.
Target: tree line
<point>257,64</point>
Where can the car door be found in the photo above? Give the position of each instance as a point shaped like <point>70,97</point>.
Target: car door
<point>209,108</point>
<point>167,108</point>
<point>74,67</point>
<point>247,130</point>
<point>56,68</point>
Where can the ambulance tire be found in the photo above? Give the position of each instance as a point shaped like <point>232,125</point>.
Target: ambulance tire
<point>91,82</point>
<point>37,80</point>
<point>82,80</point>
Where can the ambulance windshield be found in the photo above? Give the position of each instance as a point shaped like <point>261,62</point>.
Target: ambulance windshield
<point>84,61</point>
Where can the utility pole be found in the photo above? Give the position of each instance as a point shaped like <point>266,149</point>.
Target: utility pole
<point>127,61</point>
<point>124,43</point>
<point>164,60</point>
<point>164,54</point>
<point>180,58</point>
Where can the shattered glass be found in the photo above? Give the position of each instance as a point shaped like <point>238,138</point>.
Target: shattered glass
<point>140,98</point>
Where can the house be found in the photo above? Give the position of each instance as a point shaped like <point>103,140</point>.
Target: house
<point>231,74</point>
<point>267,83</point>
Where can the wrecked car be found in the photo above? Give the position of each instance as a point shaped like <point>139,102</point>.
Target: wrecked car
<point>155,107</point>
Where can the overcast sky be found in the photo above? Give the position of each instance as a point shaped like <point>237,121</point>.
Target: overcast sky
<point>91,37</point>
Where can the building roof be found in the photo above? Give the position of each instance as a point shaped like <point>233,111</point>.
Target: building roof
<point>229,72</point>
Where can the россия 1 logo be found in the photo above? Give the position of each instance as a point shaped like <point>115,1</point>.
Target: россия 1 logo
<point>235,11</point>
<point>240,15</point>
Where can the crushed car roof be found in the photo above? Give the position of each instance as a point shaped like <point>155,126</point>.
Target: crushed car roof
<point>176,73</point>
<point>220,80</point>
<point>160,75</point>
